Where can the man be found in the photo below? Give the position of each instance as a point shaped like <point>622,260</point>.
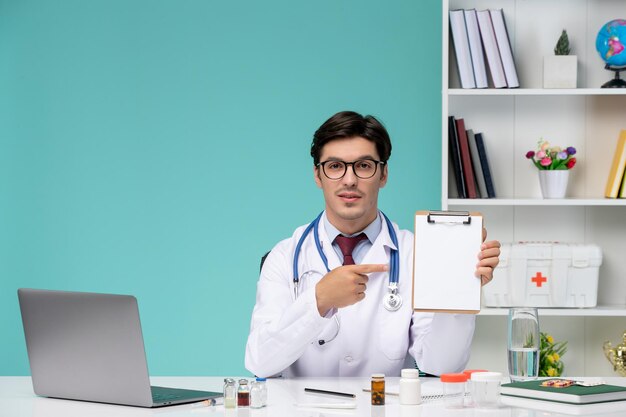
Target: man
<point>333,322</point>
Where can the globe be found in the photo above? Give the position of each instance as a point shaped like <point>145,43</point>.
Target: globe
<point>611,43</point>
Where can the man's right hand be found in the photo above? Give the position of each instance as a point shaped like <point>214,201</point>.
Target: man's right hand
<point>344,286</point>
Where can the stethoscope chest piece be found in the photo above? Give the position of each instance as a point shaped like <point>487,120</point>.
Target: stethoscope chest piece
<point>392,300</point>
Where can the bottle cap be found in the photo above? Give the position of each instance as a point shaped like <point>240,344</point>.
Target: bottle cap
<point>243,381</point>
<point>378,375</point>
<point>469,372</point>
<point>453,377</point>
<point>258,378</point>
<point>410,373</point>
<point>487,376</point>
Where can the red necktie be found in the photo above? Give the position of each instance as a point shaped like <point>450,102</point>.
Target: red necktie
<point>347,245</point>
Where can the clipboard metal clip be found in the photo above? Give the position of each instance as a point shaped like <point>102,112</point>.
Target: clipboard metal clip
<point>449,217</point>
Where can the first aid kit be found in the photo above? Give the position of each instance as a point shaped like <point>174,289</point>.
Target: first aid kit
<point>545,274</point>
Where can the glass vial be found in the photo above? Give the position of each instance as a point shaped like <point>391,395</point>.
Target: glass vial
<point>243,394</point>
<point>263,383</point>
<point>410,387</point>
<point>230,393</point>
<point>378,389</point>
<point>256,395</point>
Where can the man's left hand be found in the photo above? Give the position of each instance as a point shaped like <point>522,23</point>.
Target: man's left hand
<point>487,259</point>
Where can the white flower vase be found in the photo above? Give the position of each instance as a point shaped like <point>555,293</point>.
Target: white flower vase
<point>553,183</point>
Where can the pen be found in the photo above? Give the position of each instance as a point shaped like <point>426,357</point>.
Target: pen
<point>322,391</point>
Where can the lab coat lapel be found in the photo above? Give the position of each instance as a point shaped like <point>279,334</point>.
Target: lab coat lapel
<point>327,246</point>
<point>381,248</point>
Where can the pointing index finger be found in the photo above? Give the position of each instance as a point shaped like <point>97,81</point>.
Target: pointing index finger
<point>369,268</point>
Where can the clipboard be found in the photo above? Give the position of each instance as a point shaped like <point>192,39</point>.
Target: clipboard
<point>444,261</point>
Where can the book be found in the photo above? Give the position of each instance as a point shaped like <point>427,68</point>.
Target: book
<point>478,170</point>
<point>455,155</point>
<point>574,394</point>
<point>476,49</point>
<point>504,47</point>
<point>616,173</point>
<point>496,71</point>
<point>462,49</point>
<point>466,159</point>
<point>622,188</point>
<point>484,164</point>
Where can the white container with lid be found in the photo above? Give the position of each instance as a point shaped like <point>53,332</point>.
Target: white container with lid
<point>410,387</point>
<point>486,389</point>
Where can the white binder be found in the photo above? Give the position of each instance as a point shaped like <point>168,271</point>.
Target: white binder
<point>445,254</point>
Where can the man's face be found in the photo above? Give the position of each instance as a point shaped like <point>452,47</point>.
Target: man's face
<point>351,202</point>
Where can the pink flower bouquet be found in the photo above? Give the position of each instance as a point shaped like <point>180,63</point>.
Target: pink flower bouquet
<point>552,157</point>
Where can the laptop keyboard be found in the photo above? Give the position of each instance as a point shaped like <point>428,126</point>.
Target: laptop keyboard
<point>162,394</point>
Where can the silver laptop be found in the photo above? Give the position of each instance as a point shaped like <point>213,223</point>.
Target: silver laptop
<point>87,346</point>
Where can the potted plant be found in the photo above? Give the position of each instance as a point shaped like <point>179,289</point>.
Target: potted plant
<point>553,163</point>
<point>560,69</point>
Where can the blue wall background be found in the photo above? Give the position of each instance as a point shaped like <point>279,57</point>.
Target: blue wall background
<point>159,148</point>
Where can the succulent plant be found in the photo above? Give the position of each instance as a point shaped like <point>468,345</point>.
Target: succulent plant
<point>562,46</point>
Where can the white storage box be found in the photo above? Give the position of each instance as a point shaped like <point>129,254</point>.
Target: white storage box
<point>539,274</point>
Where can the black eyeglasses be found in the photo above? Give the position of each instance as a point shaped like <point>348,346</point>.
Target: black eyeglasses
<point>363,168</point>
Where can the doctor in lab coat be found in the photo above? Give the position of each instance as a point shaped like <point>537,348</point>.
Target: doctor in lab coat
<point>337,325</point>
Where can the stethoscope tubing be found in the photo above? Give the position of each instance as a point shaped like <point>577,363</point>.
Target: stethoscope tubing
<point>394,273</point>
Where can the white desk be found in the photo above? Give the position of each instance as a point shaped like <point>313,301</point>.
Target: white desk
<point>18,400</point>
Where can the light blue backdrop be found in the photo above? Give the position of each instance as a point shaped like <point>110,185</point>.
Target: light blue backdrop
<point>159,148</point>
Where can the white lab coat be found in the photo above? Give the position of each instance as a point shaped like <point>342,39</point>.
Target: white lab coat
<point>285,331</point>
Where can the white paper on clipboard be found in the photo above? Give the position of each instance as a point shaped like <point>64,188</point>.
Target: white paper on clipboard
<point>445,253</point>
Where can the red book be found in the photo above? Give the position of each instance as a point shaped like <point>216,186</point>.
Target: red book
<point>468,171</point>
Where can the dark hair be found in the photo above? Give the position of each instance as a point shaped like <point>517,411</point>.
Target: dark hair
<point>349,124</point>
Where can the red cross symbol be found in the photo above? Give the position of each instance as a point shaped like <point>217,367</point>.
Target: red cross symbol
<point>539,279</point>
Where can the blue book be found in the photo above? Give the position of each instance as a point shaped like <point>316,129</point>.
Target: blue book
<point>484,163</point>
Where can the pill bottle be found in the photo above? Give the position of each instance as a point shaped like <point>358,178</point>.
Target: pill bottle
<point>230,393</point>
<point>410,387</point>
<point>468,387</point>
<point>243,394</point>
<point>378,389</point>
<point>454,389</point>
<point>486,389</point>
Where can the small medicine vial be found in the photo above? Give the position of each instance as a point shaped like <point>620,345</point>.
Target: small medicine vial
<point>454,389</point>
<point>378,389</point>
<point>243,394</point>
<point>263,383</point>
<point>256,395</point>
<point>410,387</point>
<point>230,393</point>
<point>486,389</point>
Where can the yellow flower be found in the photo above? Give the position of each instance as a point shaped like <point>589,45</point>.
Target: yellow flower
<point>550,339</point>
<point>551,371</point>
<point>555,356</point>
<point>550,358</point>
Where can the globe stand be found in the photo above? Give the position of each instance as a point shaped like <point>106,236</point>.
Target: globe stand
<point>616,82</point>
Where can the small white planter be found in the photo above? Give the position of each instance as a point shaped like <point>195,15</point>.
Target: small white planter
<point>553,183</point>
<point>560,71</point>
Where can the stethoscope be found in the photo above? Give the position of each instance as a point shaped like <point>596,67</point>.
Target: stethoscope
<point>392,300</point>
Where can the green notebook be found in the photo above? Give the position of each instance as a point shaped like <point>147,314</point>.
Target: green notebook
<point>574,394</point>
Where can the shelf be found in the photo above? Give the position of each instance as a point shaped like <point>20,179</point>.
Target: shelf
<point>536,202</point>
<point>536,92</point>
<point>599,311</point>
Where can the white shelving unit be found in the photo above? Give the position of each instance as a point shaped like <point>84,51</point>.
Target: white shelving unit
<point>512,121</point>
